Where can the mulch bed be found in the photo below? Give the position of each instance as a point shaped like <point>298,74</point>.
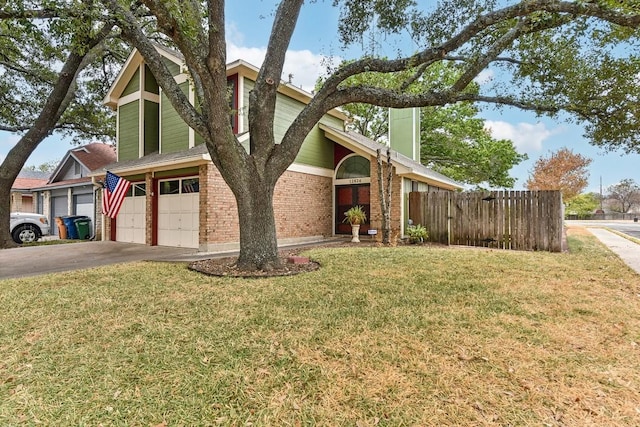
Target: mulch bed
<point>289,259</point>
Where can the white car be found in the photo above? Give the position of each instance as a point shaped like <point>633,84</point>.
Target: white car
<point>28,227</point>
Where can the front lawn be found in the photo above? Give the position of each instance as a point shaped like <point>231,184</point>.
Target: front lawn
<point>423,336</point>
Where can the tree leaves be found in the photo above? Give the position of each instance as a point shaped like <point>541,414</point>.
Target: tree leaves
<point>563,170</point>
<point>626,194</point>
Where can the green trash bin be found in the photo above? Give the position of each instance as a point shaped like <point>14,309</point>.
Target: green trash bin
<point>83,225</point>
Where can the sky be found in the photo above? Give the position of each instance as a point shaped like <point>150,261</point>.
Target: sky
<point>315,46</point>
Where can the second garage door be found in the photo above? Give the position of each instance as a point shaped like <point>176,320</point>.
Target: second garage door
<point>131,226</point>
<point>178,212</point>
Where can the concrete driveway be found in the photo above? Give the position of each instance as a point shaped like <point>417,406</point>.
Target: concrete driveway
<point>35,260</point>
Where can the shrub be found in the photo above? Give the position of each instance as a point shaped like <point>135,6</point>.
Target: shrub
<point>417,233</point>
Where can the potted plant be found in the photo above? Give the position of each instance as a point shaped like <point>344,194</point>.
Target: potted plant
<point>355,216</point>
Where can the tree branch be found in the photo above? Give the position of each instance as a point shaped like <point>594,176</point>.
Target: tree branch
<point>262,100</point>
<point>472,30</point>
<point>133,33</point>
<point>494,50</point>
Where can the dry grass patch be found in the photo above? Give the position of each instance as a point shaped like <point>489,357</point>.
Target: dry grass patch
<point>378,336</point>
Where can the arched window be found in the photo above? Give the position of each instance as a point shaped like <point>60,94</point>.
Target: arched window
<point>354,167</point>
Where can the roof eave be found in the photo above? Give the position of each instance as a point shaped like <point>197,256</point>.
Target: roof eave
<point>155,166</point>
<point>401,170</point>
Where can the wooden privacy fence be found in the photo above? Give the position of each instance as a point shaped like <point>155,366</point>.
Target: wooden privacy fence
<point>519,220</point>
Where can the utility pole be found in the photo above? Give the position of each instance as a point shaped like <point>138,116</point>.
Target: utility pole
<point>601,193</point>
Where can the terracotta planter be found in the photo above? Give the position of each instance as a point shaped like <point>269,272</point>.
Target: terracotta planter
<point>355,230</point>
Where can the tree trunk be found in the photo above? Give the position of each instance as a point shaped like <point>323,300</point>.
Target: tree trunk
<point>258,240</point>
<point>384,193</point>
<point>9,170</point>
<point>59,99</point>
<point>5,211</point>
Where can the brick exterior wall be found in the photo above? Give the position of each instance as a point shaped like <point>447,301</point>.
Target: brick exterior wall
<point>302,207</point>
<point>97,214</point>
<point>15,202</point>
<point>218,210</point>
<point>396,201</point>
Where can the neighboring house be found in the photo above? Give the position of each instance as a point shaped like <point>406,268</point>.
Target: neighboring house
<point>178,198</point>
<point>22,197</point>
<point>70,190</point>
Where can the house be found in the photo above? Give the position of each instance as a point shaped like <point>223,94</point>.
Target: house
<point>178,198</point>
<point>22,197</point>
<point>70,190</point>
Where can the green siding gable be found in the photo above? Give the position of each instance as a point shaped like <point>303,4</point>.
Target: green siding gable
<point>128,128</point>
<point>174,68</point>
<point>316,150</point>
<point>175,132</point>
<point>133,85</point>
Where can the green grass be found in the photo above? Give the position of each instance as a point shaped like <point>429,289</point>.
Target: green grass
<point>378,336</point>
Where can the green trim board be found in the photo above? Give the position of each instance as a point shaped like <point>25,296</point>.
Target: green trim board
<point>176,172</point>
<point>135,178</point>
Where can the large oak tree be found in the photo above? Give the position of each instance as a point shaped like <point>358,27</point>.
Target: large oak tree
<point>56,60</point>
<point>453,138</point>
<point>559,55</point>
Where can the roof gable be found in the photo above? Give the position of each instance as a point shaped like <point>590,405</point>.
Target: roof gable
<point>131,65</point>
<point>90,157</point>
<point>240,67</point>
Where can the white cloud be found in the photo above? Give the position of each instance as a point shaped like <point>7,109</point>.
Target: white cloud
<point>526,137</point>
<point>485,76</point>
<point>304,65</point>
<point>7,141</point>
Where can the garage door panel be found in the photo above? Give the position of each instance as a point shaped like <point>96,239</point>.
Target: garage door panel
<point>131,222</point>
<point>178,220</point>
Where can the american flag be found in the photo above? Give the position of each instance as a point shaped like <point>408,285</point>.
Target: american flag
<point>115,189</point>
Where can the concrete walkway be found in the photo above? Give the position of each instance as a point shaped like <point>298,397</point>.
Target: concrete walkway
<point>624,248</point>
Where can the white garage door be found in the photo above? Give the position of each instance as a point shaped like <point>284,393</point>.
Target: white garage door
<point>83,205</point>
<point>178,212</point>
<point>131,223</point>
